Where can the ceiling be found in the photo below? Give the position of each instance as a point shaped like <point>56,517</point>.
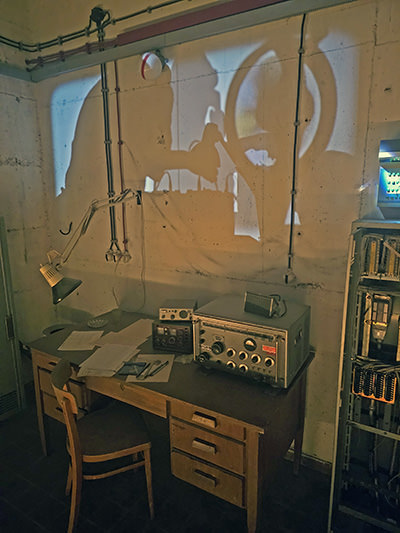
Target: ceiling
<point>204,22</point>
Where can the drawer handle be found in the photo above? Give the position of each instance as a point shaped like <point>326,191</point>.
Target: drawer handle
<point>52,363</point>
<point>206,420</point>
<point>208,478</point>
<point>204,446</point>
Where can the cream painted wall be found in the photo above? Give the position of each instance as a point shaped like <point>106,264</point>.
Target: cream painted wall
<point>186,240</point>
<point>23,202</point>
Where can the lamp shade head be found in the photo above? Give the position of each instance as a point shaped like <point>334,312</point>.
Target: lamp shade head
<point>63,288</point>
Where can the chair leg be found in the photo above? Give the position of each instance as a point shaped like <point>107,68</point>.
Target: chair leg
<point>147,467</point>
<point>75,497</point>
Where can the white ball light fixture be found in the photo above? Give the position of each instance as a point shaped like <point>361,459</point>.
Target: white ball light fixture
<point>152,65</point>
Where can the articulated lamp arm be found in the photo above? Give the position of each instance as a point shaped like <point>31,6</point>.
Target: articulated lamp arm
<point>61,286</point>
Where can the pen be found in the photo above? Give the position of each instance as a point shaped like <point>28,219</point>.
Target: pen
<point>158,369</point>
<point>143,369</point>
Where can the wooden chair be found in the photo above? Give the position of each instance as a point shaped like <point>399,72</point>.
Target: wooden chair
<point>104,435</point>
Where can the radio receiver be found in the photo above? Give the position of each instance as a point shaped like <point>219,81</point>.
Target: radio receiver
<point>173,336</point>
<point>271,350</point>
<point>177,310</point>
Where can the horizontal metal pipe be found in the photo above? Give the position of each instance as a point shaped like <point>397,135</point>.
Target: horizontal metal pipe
<point>184,28</point>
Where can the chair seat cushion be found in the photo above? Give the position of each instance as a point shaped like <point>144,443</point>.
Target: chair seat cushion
<point>117,427</point>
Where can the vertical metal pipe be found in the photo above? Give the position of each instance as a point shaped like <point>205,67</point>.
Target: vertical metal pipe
<point>107,145</point>
<point>127,256</point>
<point>98,15</point>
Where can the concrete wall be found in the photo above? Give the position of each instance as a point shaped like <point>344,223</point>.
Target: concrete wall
<point>210,143</point>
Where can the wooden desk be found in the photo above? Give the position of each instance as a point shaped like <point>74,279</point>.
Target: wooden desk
<point>227,434</point>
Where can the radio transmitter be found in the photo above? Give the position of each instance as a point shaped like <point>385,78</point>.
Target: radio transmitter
<point>173,336</point>
<point>271,350</point>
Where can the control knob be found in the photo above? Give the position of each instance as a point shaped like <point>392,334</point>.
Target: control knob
<point>250,344</point>
<point>203,357</point>
<point>218,347</point>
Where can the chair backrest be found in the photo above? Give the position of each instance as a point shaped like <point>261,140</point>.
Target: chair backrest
<point>59,380</point>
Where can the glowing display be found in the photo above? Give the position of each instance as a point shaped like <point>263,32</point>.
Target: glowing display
<point>389,174</point>
<point>389,182</point>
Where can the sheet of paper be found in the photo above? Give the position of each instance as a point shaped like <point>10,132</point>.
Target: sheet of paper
<point>161,376</point>
<point>81,340</point>
<point>132,335</point>
<point>106,361</point>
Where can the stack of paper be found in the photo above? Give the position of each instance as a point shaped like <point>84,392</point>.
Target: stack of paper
<point>135,334</point>
<point>107,360</point>
<point>81,340</point>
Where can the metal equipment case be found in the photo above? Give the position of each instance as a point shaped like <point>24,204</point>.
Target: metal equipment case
<point>365,480</point>
<point>271,350</point>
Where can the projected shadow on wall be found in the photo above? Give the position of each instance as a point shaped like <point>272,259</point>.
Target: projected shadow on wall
<point>216,133</point>
<point>230,130</point>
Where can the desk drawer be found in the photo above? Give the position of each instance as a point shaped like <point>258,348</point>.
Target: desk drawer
<point>52,408</point>
<point>208,446</point>
<point>209,478</point>
<point>135,395</point>
<point>48,362</point>
<point>207,419</point>
<point>44,361</point>
<point>77,389</point>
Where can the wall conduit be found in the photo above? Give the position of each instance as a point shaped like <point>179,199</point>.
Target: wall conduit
<point>101,17</point>
<point>290,276</point>
<point>126,255</point>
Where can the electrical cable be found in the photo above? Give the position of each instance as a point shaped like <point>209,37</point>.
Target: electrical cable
<point>85,32</point>
<point>373,469</point>
<point>143,267</point>
<point>58,41</point>
<point>376,364</point>
<point>295,145</point>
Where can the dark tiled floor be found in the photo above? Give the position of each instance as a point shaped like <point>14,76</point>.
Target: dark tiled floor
<point>32,492</point>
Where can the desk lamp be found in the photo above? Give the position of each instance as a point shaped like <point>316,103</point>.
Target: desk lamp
<point>61,286</point>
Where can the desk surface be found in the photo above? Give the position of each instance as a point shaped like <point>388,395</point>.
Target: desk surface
<point>257,419</point>
<point>253,403</point>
